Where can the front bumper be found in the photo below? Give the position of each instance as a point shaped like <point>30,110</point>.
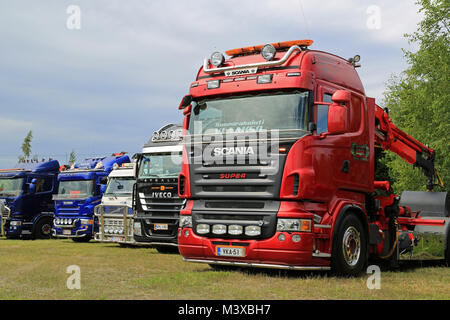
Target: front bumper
<point>265,253</point>
<point>150,237</point>
<point>16,228</point>
<point>76,230</point>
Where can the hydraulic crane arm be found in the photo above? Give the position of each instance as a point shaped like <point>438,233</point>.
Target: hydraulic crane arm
<point>389,137</point>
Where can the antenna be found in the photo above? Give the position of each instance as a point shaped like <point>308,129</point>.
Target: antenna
<point>304,18</point>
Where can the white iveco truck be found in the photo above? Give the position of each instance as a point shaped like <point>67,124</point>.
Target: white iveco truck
<point>115,213</point>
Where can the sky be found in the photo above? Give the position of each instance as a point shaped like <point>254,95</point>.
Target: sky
<point>99,76</point>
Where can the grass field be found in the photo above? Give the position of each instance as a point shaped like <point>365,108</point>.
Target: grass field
<point>37,270</point>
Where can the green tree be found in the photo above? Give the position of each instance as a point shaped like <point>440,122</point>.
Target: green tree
<point>26,146</point>
<point>418,98</point>
<point>72,158</point>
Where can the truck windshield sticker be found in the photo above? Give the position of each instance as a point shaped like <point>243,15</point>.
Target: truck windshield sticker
<point>287,112</point>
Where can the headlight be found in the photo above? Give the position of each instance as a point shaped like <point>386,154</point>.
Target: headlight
<point>137,229</point>
<point>69,221</point>
<point>84,221</point>
<point>203,228</point>
<point>186,221</point>
<point>252,231</point>
<point>65,221</point>
<point>217,59</point>
<point>268,52</point>
<point>294,225</point>
<point>219,229</point>
<point>16,223</point>
<point>235,229</point>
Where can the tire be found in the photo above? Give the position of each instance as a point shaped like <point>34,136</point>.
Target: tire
<point>349,253</point>
<point>43,229</point>
<point>82,239</point>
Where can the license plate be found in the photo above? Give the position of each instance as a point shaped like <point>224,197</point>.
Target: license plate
<point>230,251</point>
<point>241,72</point>
<point>116,238</point>
<point>67,232</point>
<point>161,227</point>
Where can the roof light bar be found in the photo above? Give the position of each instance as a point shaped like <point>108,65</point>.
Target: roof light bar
<point>207,69</point>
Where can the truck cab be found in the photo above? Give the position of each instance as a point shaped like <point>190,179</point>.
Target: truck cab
<point>278,166</point>
<point>155,198</point>
<point>115,212</point>
<point>26,202</point>
<point>80,190</point>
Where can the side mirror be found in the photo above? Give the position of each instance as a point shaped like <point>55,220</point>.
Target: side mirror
<point>32,186</point>
<point>341,97</point>
<point>337,112</point>
<point>137,162</point>
<point>187,99</point>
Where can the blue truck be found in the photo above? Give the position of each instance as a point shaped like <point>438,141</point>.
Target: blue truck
<point>80,190</point>
<point>26,206</point>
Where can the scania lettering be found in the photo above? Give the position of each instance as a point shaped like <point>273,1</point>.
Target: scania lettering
<point>155,197</point>
<point>310,199</point>
<point>80,190</point>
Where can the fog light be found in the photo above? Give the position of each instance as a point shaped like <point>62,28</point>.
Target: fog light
<point>268,52</point>
<point>219,229</point>
<point>217,59</point>
<point>281,237</point>
<point>296,238</point>
<point>252,231</point>
<point>235,229</point>
<point>203,228</point>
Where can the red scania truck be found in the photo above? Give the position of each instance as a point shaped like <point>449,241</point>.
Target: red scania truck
<point>279,166</point>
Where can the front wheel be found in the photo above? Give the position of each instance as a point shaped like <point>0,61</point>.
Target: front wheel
<point>349,254</point>
<point>43,229</point>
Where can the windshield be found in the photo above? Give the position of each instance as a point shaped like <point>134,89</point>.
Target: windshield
<point>287,112</point>
<point>160,165</point>
<point>11,187</point>
<point>75,189</point>
<point>120,186</point>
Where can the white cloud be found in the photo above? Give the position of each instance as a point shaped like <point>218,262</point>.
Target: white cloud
<point>123,74</point>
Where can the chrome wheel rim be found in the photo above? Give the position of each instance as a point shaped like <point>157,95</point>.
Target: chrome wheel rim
<point>351,246</point>
<point>46,229</point>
